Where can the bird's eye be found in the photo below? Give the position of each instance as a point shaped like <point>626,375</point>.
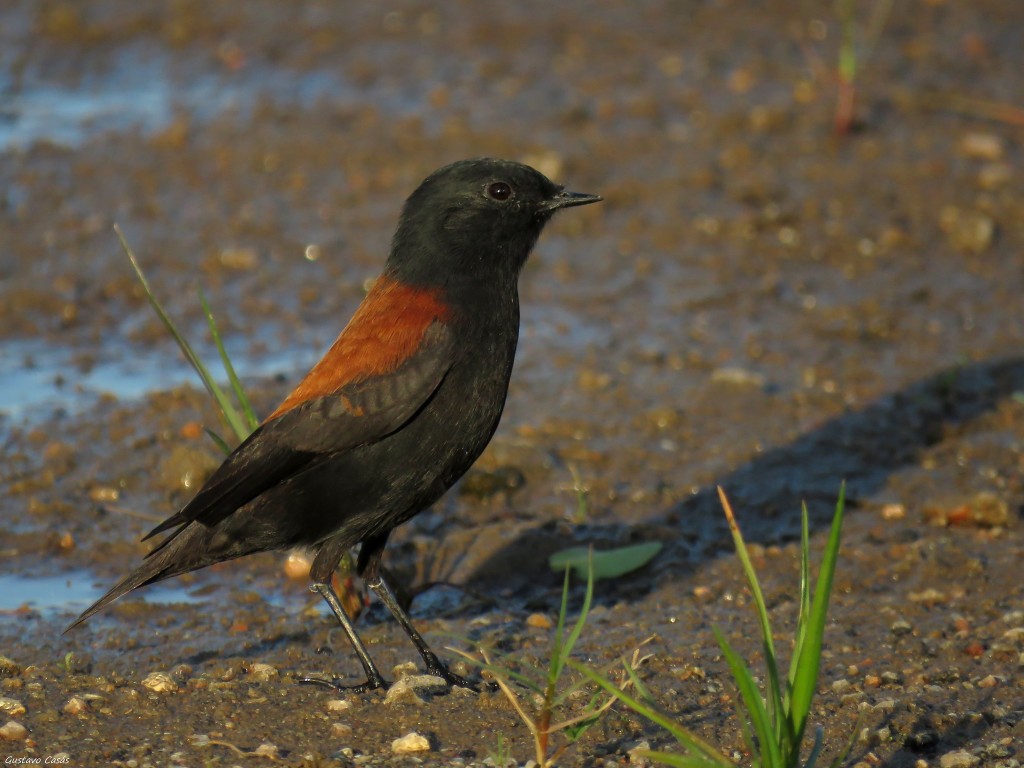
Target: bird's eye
<point>499,191</point>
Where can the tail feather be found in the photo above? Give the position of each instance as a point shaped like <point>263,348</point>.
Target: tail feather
<point>183,551</point>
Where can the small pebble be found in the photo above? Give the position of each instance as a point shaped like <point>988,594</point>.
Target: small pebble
<point>539,621</point>
<point>894,512</point>
<point>266,749</point>
<point>339,705</point>
<point>262,673</point>
<point>76,705</point>
<point>637,759</point>
<point>410,690</point>
<point>995,175</point>
<point>959,759</point>
<point>9,668</point>
<point>982,146</point>
<point>104,493</point>
<point>901,627</point>
<point>340,730</point>
<point>405,669</point>
<point>13,731</point>
<point>702,593</point>
<point>929,595</point>
<point>971,231</point>
<point>11,707</point>
<point>160,682</point>
<point>410,743</point>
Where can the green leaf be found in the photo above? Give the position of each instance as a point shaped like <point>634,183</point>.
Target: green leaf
<point>805,680</point>
<point>771,753</point>
<point>702,753</point>
<point>606,564</point>
<point>773,696</point>
<point>208,381</point>
<point>250,416</point>
<point>218,440</point>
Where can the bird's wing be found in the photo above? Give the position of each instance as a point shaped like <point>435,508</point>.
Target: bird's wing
<point>330,419</point>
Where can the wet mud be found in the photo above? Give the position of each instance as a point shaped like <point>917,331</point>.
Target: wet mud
<point>759,303</point>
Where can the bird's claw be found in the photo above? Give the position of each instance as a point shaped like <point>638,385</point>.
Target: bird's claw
<point>338,684</point>
<point>451,678</point>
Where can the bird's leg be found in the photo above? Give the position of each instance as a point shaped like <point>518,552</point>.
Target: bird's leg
<point>323,566</point>
<point>370,570</point>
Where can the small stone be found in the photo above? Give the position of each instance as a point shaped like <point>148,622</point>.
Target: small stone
<point>989,681</point>
<point>982,146</point>
<point>8,667</point>
<point>262,673</point>
<point>11,707</point>
<point>995,175</point>
<point>737,376</point>
<point>339,705</point>
<point>76,705</point>
<point>891,678</point>
<point>841,685</point>
<point>410,743</point>
<point>959,759</point>
<point>410,690</point>
<point>635,756</point>
<point>160,682</point>
<point>930,595</point>
<point>266,749</point>
<point>239,259</point>
<point>1014,636</point>
<point>971,231</point>
<point>539,621</point>
<point>13,731</point>
<point>405,669</point>
<point>104,493</point>
<point>886,705</point>
<point>894,512</point>
<point>901,627</point>
<point>702,593</point>
<point>340,730</point>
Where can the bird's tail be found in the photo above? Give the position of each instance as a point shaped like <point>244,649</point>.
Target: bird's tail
<point>183,551</point>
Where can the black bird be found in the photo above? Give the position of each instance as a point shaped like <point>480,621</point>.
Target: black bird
<point>396,411</point>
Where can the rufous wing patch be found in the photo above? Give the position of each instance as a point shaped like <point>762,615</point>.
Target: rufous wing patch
<point>386,330</point>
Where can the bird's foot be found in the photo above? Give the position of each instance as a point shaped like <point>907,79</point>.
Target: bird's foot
<point>337,684</point>
<point>440,670</point>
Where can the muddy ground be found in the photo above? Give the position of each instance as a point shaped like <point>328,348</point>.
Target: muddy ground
<point>759,303</point>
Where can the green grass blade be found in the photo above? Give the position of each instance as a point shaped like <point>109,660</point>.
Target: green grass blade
<point>771,754</point>
<point>706,754</point>
<point>218,440</point>
<point>805,602</point>
<point>211,386</point>
<point>499,671</point>
<point>581,621</point>
<point>557,642</point>
<point>816,749</point>
<point>805,680</point>
<point>773,696</point>
<point>251,422</point>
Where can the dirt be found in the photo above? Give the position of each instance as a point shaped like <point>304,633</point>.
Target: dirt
<point>761,303</point>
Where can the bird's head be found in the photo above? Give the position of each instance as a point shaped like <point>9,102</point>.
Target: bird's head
<point>475,219</point>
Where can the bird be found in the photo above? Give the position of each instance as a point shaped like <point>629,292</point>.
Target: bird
<point>395,412</point>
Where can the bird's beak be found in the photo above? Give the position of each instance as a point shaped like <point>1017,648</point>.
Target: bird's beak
<point>568,199</point>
